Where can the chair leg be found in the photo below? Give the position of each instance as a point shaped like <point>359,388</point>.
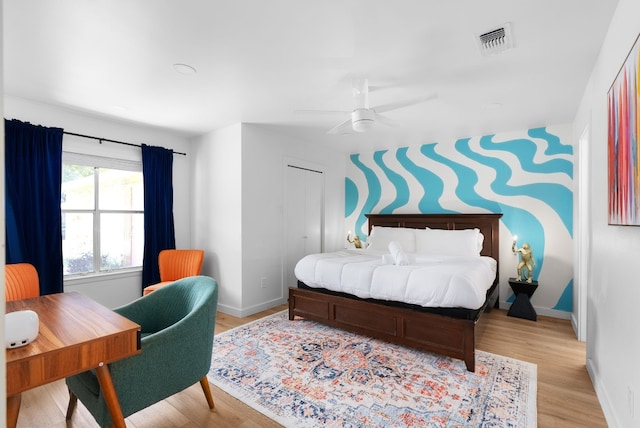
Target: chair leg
<point>73,401</point>
<point>204,382</point>
<point>13,408</point>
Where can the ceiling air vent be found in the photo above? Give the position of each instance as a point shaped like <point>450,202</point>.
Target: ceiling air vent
<point>495,41</point>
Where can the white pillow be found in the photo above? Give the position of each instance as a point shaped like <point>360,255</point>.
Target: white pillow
<point>398,255</point>
<point>381,236</point>
<point>464,242</point>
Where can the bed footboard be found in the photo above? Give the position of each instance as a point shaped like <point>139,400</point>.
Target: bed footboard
<point>443,335</point>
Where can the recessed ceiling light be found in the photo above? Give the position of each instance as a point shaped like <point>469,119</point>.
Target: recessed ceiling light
<point>184,69</point>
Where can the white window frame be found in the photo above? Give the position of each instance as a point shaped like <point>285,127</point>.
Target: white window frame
<point>99,162</point>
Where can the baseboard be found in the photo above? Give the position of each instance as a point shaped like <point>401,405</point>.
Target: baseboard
<point>553,313</point>
<point>603,398</point>
<point>542,311</point>
<point>574,324</point>
<point>229,310</point>
<point>245,312</point>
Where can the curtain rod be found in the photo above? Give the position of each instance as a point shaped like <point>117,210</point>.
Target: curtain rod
<point>111,141</point>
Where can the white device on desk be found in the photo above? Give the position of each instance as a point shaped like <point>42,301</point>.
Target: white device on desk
<point>20,328</point>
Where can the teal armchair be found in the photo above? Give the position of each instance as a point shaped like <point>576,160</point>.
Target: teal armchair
<point>177,331</point>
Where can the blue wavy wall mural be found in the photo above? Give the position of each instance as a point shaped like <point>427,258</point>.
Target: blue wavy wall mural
<point>527,176</point>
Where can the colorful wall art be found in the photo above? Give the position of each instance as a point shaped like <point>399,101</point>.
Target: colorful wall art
<point>624,130</point>
<point>527,176</point>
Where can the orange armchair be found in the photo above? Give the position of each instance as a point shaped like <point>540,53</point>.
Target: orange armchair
<point>175,265</point>
<point>21,281</point>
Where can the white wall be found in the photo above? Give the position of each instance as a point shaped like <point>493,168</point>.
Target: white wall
<point>238,213</point>
<point>613,340</point>
<point>217,227</point>
<point>114,289</point>
<point>265,155</point>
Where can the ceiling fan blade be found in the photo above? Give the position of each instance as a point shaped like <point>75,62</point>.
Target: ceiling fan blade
<point>385,120</point>
<point>375,88</point>
<point>343,128</point>
<point>394,106</point>
<point>303,111</point>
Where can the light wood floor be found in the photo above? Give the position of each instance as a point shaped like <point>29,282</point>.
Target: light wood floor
<point>565,394</point>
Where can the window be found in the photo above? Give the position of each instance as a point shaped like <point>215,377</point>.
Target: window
<point>102,214</point>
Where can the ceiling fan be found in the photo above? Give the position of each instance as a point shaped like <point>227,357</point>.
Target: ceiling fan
<point>364,118</point>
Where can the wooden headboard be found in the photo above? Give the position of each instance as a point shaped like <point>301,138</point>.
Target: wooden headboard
<point>489,225</point>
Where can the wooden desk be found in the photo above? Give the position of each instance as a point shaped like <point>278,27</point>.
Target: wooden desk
<point>76,334</point>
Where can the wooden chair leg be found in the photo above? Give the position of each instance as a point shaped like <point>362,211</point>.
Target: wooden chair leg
<point>204,382</point>
<point>13,409</point>
<point>73,401</point>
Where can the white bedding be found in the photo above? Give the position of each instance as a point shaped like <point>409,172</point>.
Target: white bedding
<point>430,281</point>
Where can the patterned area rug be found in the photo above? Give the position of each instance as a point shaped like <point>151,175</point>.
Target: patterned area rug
<point>304,374</point>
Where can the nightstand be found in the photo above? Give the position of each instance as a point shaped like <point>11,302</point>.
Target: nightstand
<point>521,307</point>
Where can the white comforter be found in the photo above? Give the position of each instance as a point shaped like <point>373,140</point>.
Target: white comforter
<point>431,281</point>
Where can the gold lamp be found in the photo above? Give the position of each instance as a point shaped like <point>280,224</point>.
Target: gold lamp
<point>355,240</point>
<point>526,263</point>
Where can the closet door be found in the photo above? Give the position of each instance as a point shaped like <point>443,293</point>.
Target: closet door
<point>303,218</point>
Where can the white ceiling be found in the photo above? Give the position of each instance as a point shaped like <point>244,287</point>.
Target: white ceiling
<point>260,61</point>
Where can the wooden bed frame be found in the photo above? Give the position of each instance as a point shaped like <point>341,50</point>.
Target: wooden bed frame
<point>449,332</point>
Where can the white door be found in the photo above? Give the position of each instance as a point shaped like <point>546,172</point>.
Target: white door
<point>304,208</point>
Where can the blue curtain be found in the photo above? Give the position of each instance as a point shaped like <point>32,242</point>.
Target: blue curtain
<point>159,232</point>
<point>33,176</point>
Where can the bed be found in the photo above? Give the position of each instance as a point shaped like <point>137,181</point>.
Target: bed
<point>449,331</point>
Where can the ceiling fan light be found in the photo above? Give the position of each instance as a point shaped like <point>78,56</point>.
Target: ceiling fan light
<point>363,125</point>
<point>362,120</point>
